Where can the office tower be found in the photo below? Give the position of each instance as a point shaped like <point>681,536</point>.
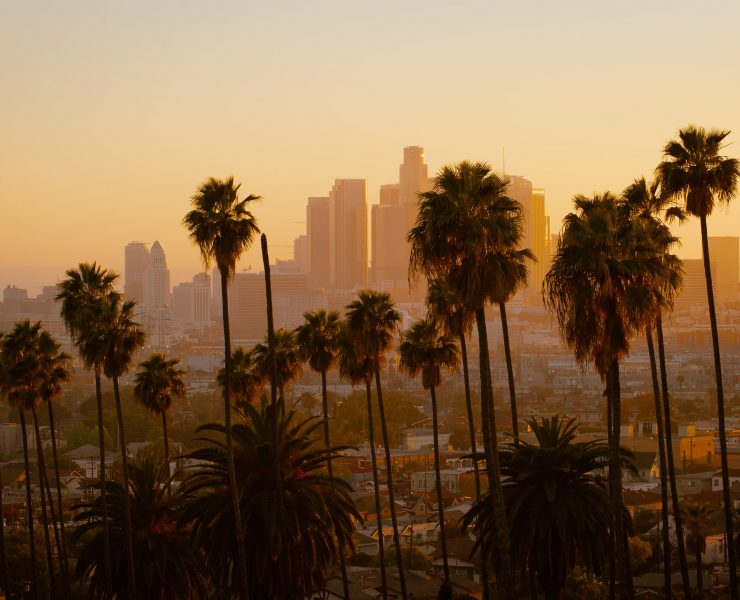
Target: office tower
<point>191,302</point>
<point>136,260</point>
<point>724,252</point>
<point>156,279</point>
<point>694,289</point>
<point>291,298</point>
<point>348,233</point>
<point>393,217</point>
<point>14,294</point>
<point>317,223</point>
<point>535,232</point>
<point>300,253</point>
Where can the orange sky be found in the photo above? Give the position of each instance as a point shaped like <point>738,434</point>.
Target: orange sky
<point>112,113</point>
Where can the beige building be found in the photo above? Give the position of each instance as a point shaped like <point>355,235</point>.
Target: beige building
<point>348,234</point>
<point>536,234</point>
<point>724,252</point>
<point>693,292</point>
<point>317,223</point>
<point>136,260</point>
<point>392,219</point>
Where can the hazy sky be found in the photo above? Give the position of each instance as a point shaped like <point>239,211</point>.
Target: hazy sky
<point>111,113</point>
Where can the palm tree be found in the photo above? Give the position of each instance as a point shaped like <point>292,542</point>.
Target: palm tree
<point>694,171</point>
<point>289,557</point>
<point>644,202</point>
<point>167,566</point>
<point>558,506</point>
<point>56,372</point>
<point>158,382</point>
<point>445,309</point>
<point>464,229</point>
<point>425,352</point>
<point>698,519</point>
<point>288,359</point>
<point>601,289</point>
<point>372,321</point>
<point>356,366</point>
<point>318,343</point>
<point>81,296</point>
<point>223,228</point>
<point>20,385</point>
<point>245,383</point>
<point>115,338</point>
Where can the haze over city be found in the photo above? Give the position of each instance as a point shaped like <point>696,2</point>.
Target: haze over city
<point>111,115</point>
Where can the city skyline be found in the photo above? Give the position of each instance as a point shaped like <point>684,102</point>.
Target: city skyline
<point>108,117</point>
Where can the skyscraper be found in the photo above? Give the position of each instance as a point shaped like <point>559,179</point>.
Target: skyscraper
<point>535,231</point>
<point>300,253</point>
<point>724,252</point>
<point>191,302</point>
<point>348,233</point>
<point>136,260</point>
<point>393,217</point>
<point>317,223</point>
<point>156,279</point>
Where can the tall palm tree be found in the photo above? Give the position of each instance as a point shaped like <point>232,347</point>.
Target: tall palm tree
<point>20,385</point>
<point>56,372</point>
<point>356,366</point>
<point>698,518</point>
<point>600,287</point>
<point>694,171</point>
<point>116,337</point>
<point>512,275</point>
<point>288,359</point>
<point>372,321</point>
<point>558,507</point>
<point>424,351</point>
<point>464,228</point>
<point>644,202</point>
<point>318,343</point>
<point>81,295</point>
<point>444,307</point>
<point>167,566</point>
<point>289,558</point>
<point>158,382</point>
<point>223,228</point>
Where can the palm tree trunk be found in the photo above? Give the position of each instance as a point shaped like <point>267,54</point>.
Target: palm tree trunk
<point>166,452</point>
<point>126,483</point>
<point>615,473</point>
<point>376,484</point>
<point>64,558</point>
<point>612,537</point>
<point>103,490</point>
<point>663,473</point>
<point>241,566</point>
<point>3,552</point>
<point>389,477</point>
<point>469,408</point>
<point>727,500</point>
<point>699,570</point>
<point>473,447</point>
<point>506,570</point>
<point>44,514</point>
<point>509,372</point>
<point>438,486</point>
<point>677,520</point>
<point>57,538</point>
<point>29,506</point>
<point>327,443</point>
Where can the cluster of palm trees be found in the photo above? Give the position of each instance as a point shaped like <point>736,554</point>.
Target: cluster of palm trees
<point>263,472</point>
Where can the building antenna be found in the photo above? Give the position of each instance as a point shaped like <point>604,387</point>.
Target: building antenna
<point>503,159</point>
